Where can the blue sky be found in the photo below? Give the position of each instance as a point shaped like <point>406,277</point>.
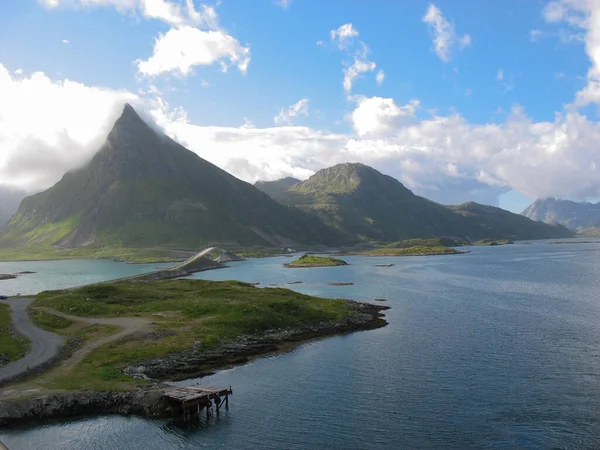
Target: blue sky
<point>483,122</point>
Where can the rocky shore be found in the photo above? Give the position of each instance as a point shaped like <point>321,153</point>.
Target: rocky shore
<point>194,362</point>
<point>198,361</point>
<point>141,402</point>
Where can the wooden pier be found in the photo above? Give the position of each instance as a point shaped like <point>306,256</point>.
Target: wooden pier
<point>192,400</point>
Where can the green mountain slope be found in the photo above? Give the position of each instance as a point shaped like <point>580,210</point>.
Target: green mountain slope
<point>143,189</point>
<point>276,188</point>
<point>359,200</point>
<point>490,222</point>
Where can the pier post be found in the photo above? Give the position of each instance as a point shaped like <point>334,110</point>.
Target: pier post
<point>227,402</point>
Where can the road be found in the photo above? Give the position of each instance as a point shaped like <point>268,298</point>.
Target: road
<point>43,345</point>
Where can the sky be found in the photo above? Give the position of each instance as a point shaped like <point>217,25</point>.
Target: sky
<point>490,101</point>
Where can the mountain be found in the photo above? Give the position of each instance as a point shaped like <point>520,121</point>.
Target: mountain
<point>573,215</point>
<point>143,189</point>
<point>487,221</point>
<point>274,188</point>
<point>359,200</point>
<point>9,203</point>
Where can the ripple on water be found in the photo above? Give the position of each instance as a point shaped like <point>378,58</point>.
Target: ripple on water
<point>494,349</point>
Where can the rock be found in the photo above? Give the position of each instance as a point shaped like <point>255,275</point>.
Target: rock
<point>296,282</point>
<point>384,265</point>
<point>25,272</point>
<point>142,402</point>
<point>340,284</point>
<point>380,300</point>
<point>7,276</point>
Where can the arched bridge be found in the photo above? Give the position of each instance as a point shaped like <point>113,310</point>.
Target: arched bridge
<point>191,262</point>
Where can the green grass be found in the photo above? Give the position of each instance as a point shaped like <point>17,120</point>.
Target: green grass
<point>433,242</point>
<point>130,255</point>
<point>574,242</point>
<point>263,252</point>
<point>49,322</point>
<point>316,261</point>
<point>413,251</point>
<point>13,348</point>
<point>191,311</point>
<point>493,242</point>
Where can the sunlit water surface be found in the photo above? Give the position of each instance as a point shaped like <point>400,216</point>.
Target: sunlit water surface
<point>499,348</point>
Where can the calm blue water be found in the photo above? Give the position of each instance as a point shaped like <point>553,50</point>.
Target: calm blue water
<point>65,274</point>
<point>499,348</point>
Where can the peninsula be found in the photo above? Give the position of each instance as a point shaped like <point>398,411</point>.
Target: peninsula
<point>125,337</point>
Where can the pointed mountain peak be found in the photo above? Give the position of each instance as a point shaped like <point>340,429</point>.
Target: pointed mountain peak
<point>130,126</point>
<point>129,116</point>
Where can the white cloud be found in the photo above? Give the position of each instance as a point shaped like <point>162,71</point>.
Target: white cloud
<point>582,18</point>
<point>355,70</point>
<point>170,12</point>
<point>300,108</point>
<point>343,34</point>
<point>359,50</point>
<point>180,49</point>
<point>377,116</point>
<point>445,39</point>
<point>194,39</point>
<point>283,3</point>
<point>50,126</point>
<point>65,41</point>
<point>500,75</point>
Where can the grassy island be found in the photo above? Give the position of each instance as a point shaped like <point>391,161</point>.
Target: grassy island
<point>316,261</point>
<point>413,251</point>
<point>177,328</point>
<point>485,242</point>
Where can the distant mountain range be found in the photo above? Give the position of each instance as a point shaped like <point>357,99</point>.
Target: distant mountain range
<point>359,200</point>
<point>577,216</point>
<point>144,190</point>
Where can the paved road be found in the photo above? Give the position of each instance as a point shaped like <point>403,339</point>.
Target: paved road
<point>43,347</point>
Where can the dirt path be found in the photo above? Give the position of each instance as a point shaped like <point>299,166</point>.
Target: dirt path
<point>129,326</point>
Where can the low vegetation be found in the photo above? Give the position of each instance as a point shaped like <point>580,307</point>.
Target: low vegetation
<point>316,261</point>
<point>413,251</point>
<point>433,242</point>
<point>261,252</point>
<point>486,242</point>
<point>574,242</point>
<point>12,347</point>
<point>183,313</point>
<point>129,255</point>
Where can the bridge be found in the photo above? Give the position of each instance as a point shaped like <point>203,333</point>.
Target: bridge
<point>197,263</point>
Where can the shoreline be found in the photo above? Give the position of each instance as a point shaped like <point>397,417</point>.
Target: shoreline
<point>191,363</point>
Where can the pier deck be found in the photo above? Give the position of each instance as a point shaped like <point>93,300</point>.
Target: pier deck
<point>193,399</point>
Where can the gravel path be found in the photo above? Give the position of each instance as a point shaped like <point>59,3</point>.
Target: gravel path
<point>43,345</point>
<point>129,326</point>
